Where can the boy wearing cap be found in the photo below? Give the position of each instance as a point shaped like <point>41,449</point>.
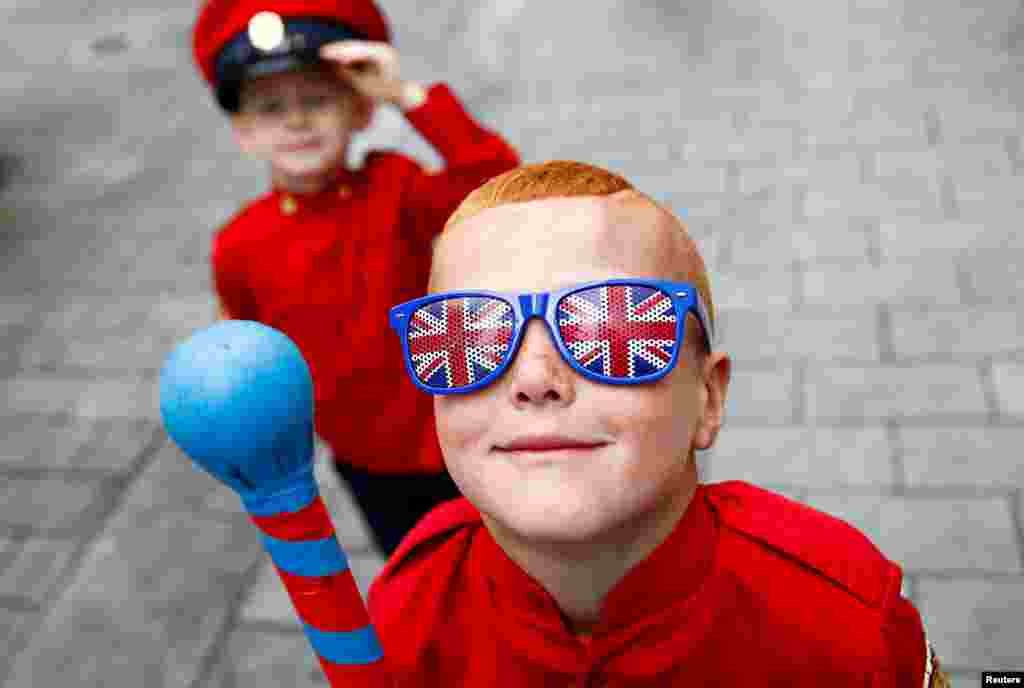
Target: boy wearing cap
<point>586,551</point>
<point>328,249</point>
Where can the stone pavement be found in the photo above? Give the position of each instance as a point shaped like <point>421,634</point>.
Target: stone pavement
<point>853,170</point>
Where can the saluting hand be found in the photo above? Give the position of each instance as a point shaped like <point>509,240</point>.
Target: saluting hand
<point>372,69</point>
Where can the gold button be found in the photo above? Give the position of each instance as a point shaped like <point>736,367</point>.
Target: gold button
<point>344,191</point>
<point>288,205</point>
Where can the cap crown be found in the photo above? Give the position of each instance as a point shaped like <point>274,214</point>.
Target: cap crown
<point>220,20</point>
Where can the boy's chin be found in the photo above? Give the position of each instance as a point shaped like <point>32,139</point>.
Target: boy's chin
<point>311,168</point>
<point>559,522</point>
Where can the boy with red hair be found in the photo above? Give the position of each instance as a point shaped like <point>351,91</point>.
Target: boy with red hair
<point>568,341</point>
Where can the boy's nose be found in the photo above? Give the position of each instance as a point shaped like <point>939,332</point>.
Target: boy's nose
<point>296,116</point>
<point>538,375</point>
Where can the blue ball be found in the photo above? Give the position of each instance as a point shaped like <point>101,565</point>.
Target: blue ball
<point>237,397</point>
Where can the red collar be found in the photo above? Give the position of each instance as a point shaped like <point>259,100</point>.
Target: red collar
<point>344,183</point>
<point>666,578</point>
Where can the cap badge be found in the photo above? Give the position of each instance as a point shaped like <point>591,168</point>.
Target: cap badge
<point>266,31</point>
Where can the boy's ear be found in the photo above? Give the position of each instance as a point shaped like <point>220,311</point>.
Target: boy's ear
<point>716,374</point>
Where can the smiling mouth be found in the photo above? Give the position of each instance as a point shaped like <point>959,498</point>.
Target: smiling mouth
<point>301,147</point>
<point>547,445</point>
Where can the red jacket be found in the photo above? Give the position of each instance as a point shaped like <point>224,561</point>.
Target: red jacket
<point>325,268</point>
<point>750,589</point>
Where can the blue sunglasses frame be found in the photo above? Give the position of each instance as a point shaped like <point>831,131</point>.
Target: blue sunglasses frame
<point>526,305</point>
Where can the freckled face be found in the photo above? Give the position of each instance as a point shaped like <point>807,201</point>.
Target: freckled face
<point>634,439</point>
<point>301,122</point>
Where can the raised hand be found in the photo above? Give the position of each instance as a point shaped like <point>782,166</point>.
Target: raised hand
<point>372,68</point>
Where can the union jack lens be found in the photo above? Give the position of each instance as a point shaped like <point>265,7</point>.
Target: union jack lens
<point>620,331</point>
<point>459,341</point>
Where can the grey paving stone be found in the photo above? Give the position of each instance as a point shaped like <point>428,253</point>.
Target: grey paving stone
<point>39,564</point>
<point>776,335</point>
<point>21,436</point>
<point>9,549</point>
<point>95,314</point>
<point>52,504</point>
<point>116,444</point>
<point>841,169</point>
<point>820,240</point>
<point>993,277</point>
<point>932,534</point>
<point>1009,382</point>
<point>58,442</point>
<point>16,627</point>
<point>975,161</point>
<point>182,315</point>
<point>172,482</point>
<point>760,397</point>
<point>979,121</point>
<point>876,199</point>
<point>886,125</point>
<point>14,312</point>
<point>975,623</point>
<point>802,457</point>
<point>903,283</point>
<point>38,395</point>
<point>135,598</point>
<point>752,287</point>
<point>984,457</point>
<point>805,110</point>
<point>255,658</point>
<point>114,398</point>
<point>920,391</point>
<point>987,199</point>
<point>762,143</point>
<point>896,166</point>
<point>633,136</point>
<point>771,208</point>
<point>963,332</point>
<point>910,237</point>
<point>140,351</point>
<point>907,177</point>
<point>907,238</point>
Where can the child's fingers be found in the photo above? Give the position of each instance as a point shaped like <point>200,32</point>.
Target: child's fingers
<point>360,52</point>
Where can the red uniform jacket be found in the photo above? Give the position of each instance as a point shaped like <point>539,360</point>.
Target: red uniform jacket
<point>750,589</point>
<point>325,268</point>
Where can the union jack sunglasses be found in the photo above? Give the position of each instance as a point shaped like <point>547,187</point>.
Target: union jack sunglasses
<point>620,332</point>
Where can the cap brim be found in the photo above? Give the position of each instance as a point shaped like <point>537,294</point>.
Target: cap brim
<point>229,90</point>
<point>281,63</point>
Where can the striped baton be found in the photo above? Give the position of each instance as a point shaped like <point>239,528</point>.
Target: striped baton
<point>238,399</point>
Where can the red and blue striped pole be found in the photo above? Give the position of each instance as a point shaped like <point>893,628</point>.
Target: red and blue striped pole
<point>238,399</point>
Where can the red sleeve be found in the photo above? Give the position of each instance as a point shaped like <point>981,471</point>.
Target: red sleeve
<point>229,281</point>
<point>472,155</point>
<point>904,637</point>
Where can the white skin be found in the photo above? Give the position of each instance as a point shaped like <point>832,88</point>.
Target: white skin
<point>576,519</point>
<point>302,122</point>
